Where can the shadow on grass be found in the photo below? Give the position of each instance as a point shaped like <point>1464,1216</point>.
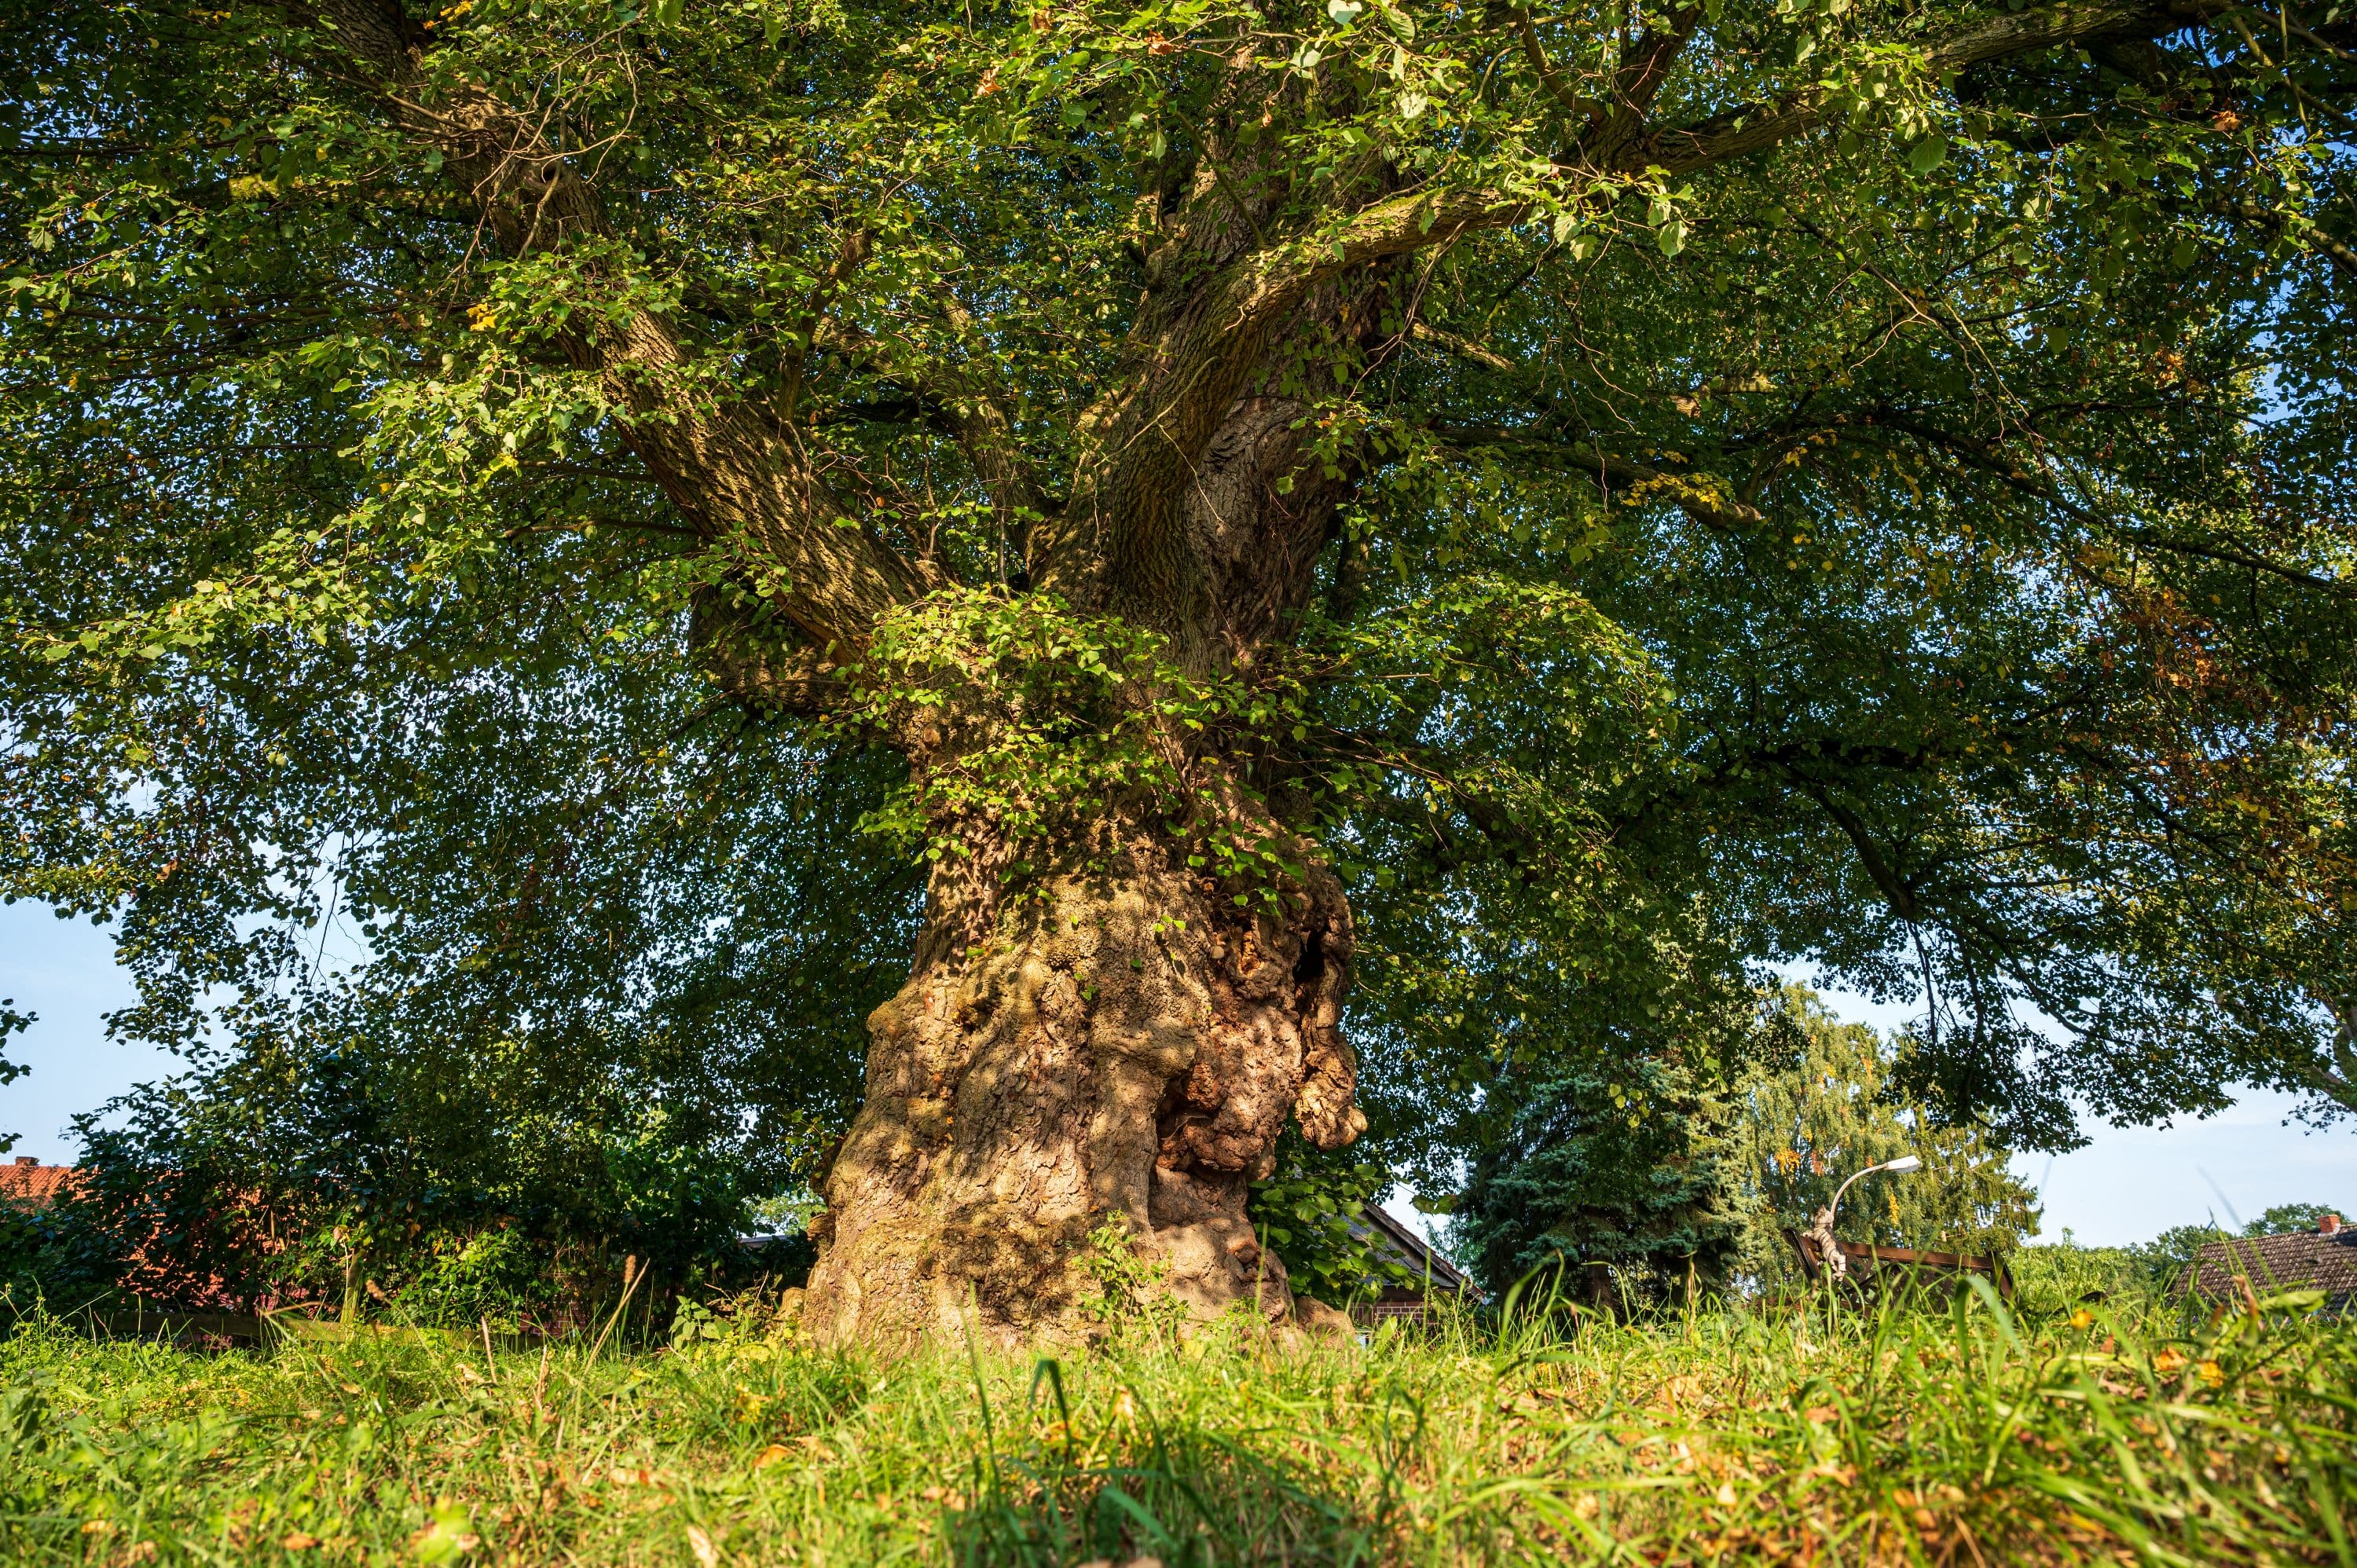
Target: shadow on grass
<point>1187,1496</point>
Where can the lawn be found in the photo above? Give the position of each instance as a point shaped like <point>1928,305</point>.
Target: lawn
<point>1950,1433</point>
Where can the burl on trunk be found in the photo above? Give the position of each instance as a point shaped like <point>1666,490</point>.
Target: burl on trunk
<point>1120,1042</point>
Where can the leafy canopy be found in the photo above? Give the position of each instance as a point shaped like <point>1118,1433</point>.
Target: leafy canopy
<point>1823,480</point>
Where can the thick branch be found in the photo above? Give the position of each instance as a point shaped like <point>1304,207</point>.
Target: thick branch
<point>1637,84</point>
<point>1586,110</point>
<point>1204,360</point>
<point>2307,236</point>
<point>736,476</point>
<point>1699,496</point>
<point>1757,126</point>
<point>1894,887</point>
<point>1205,357</point>
<point>1976,456</point>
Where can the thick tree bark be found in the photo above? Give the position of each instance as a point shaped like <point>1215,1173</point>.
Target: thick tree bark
<point>1116,1040</point>
<point>1118,1043</point>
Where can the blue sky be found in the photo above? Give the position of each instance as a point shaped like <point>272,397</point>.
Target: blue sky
<point>2127,1186</point>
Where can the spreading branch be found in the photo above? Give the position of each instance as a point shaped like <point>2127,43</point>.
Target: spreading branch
<point>1755,127</point>
<point>730,471</point>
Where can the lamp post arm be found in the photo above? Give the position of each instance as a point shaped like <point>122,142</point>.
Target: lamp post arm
<point>1834,1206</point>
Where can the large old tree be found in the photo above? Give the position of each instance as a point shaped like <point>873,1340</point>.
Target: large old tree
<point>1615,493</point>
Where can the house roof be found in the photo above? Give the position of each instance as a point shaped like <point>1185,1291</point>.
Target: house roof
<point>28,1182</point>
<point>1405,1248</point>
<point>2305,1260</point>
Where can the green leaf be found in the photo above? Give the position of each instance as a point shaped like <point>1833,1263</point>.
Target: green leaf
<point>1928,154</point>
<point>448,1536</point>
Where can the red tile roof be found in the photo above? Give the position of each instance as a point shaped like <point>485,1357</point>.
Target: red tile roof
<point>28,1182</point>
<point>2301,1260</point>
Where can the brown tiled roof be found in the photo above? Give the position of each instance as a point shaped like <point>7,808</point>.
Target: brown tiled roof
<point>2303,1260</point>
<point>33,1183</point>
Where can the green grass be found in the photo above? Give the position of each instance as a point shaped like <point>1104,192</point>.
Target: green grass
<point>1947,1436</point>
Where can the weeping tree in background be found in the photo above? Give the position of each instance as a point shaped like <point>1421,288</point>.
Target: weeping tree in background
<point>1805,1123</point>
<point>1435,516</point>
<point>1679,1152</point>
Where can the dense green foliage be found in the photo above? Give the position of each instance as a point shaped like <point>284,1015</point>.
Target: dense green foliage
<point>1890,1439</point>
<point>1816,1119</point>
<point>1608,1158</point>
<point>1843,480</point>
<point>1666,1163</point>
<point>1309,1211</point>
<point>11,1021</point>
<point>2286,1219</point>
<point>2056,1274</point>
<point>2162,1261</point>
<point>186,1202</point>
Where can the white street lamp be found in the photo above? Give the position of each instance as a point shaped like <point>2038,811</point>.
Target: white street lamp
<point>1837,1264</point>
<point>1899,1167</point>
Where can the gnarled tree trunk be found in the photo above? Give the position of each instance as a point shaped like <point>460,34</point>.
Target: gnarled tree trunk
<point>1120,1043</point>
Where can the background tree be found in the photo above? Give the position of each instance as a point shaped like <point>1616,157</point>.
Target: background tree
<point>1812,1120</point>
<point>1607,1147</point>
<point>1688,1148</point>
<point>1251,497</point>
<point>2288,1219</point>
<point>2162,1261</point>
